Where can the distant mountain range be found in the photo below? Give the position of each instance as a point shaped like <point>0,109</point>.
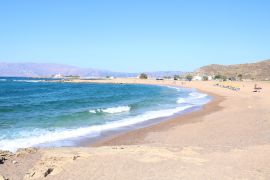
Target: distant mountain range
<point>48,69</point>
<point>255,71</point>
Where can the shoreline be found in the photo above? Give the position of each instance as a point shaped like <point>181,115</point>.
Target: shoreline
<point>115,137</point>
<point>136,136</point>
<point>110,134</point>
<point>227,139</point>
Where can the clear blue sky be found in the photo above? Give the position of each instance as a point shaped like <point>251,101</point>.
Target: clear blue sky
<point>138,35</point>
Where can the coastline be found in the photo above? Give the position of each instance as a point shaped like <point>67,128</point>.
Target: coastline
<point>136,136</point>
<point>227,139</point>
<point>127,135</point>
<point>137,122</point>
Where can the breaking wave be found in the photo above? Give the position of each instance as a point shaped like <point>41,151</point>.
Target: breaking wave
<point>40,136</point>
<point>112,110</point>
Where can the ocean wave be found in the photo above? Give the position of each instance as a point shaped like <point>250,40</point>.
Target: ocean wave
<point>112,110</point>
<point>3,79</point>
<point>197,95</point>
<point>194,98</point>
<point>28,80</point>
<point>173,87</point>
<point>42,136</point>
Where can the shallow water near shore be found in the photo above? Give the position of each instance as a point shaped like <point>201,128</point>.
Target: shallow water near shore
<point>39,113</point>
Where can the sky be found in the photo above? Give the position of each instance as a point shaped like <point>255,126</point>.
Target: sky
<point>135,36</point>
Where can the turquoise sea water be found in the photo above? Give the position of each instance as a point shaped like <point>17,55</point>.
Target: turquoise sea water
<point>34,112</point>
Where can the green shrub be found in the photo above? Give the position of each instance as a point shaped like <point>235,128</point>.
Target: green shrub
<point>143,76</point>
<point>189,77</point>
<point>205,78</point>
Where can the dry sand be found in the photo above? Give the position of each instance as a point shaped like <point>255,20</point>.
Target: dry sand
<point>228,139</point>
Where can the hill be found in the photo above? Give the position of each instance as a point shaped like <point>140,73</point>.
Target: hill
<point>254,71</point>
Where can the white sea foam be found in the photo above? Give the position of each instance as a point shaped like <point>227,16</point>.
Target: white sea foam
<point>173,87</point>
<point>197,95</point>
<point>194,98</point>
<point>191,96</point>
<point>93,111</point>
<point>112,110</point>
<point>181,100</point>
<point>40,136</point>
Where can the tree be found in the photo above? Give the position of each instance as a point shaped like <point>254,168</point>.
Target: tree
<point>189,77</point>
<point>143,76</point>
<point>205,78</point>
<point>176,77</point>
<point>240,77</point>
<point>218,76</point>
<point>167,77</point>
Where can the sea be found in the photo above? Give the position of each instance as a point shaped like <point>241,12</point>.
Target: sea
<point>36,112</point>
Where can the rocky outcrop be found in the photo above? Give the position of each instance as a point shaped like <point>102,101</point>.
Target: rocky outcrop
<point>25,151</point>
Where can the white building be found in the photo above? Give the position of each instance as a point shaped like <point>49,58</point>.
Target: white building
<point>110,77</point>
<point>57,76</point>
<point>197,78</point>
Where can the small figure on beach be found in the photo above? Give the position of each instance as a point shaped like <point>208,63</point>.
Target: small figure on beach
<point>256,88</point>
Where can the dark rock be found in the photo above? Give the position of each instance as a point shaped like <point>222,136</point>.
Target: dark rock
<point>2,160</point>
<point>32,174</point>
<point>48,172</point>
<point>5,155</point>
<point>75,157</point>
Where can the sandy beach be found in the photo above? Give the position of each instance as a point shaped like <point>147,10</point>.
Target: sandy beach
<point>227,139</point>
